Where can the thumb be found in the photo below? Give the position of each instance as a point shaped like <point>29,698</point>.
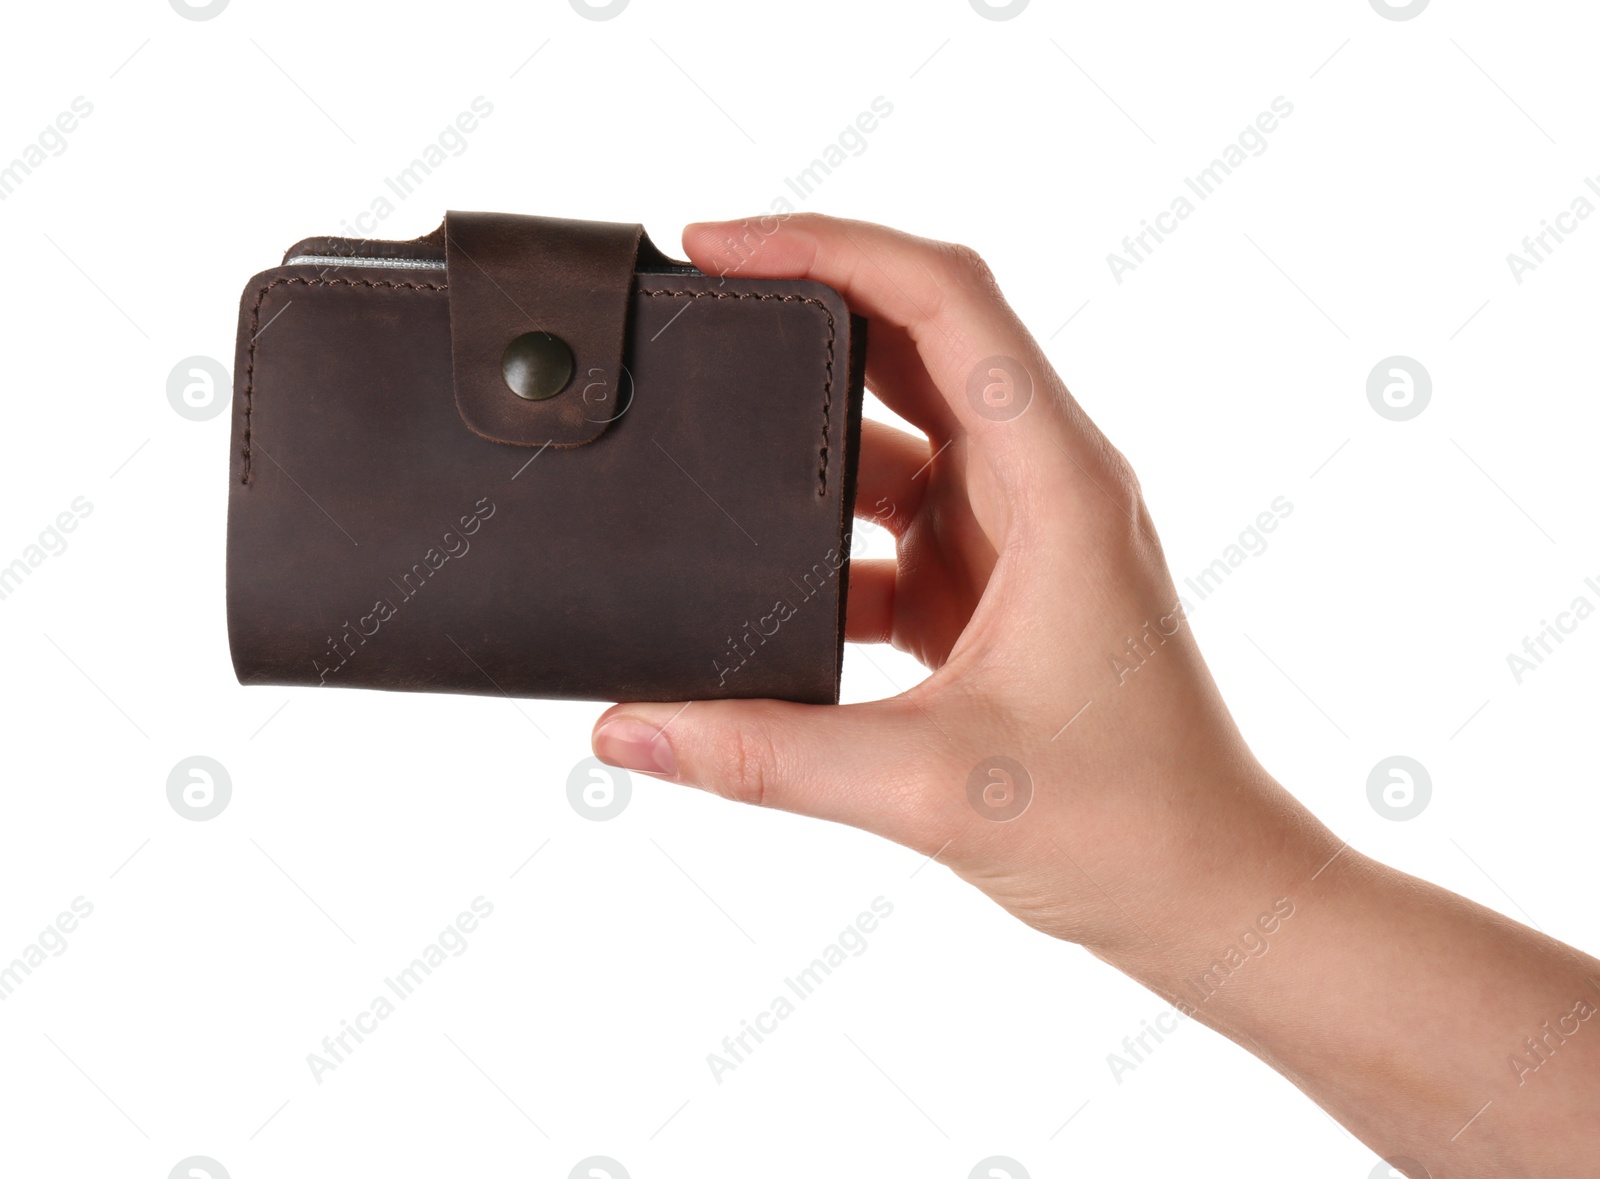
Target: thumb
<point>852,764</point>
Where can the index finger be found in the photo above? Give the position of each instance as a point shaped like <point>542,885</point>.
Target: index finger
<point>936,298</point>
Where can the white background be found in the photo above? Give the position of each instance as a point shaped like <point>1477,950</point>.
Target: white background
<point>1231,367</point>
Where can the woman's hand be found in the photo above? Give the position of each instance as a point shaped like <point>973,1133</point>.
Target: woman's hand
<point>1070,756</point>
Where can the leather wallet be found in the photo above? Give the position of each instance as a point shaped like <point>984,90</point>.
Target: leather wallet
<point>531,456</point>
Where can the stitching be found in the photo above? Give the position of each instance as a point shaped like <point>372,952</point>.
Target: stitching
<point>255,327</point>
<point>827,387</point>
<point>376,284</point>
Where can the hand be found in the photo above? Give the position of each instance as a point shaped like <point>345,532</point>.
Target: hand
<point>1064,682</point>
<point>1070,756</point>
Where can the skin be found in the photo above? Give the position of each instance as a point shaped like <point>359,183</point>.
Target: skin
<point>1152,836</point>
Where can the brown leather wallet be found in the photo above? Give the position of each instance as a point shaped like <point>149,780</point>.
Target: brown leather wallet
<point>535,457</point>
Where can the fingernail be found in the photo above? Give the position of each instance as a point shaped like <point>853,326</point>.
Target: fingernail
<point>726,223</point>
<point>635,745</point>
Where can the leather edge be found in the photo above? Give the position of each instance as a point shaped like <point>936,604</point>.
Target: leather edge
<point>849,468</point>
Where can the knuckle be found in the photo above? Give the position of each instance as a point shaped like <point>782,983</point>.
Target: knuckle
<point>745,762</point>
<point>1121,471</point>
<point>1112,468</point>
<point>967,263</point>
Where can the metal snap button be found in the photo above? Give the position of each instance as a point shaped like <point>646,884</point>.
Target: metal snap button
<point>537,365</point>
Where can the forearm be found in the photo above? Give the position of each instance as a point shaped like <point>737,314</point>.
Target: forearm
<point>1118,806</point>
<point>1433,1028</point>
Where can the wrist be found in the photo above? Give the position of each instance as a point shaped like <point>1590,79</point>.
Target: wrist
<point>1224,892</point>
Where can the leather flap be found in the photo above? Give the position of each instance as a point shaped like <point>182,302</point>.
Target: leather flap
<point>509,275</point>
